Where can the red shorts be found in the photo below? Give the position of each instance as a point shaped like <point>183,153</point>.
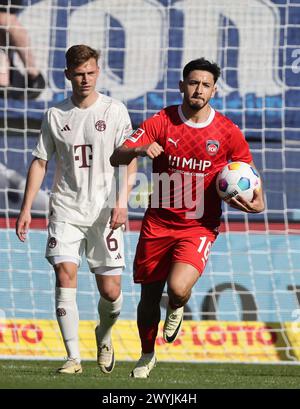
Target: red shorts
<point>160,246</point>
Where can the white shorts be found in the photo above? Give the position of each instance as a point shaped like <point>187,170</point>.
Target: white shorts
<point>102,246</point>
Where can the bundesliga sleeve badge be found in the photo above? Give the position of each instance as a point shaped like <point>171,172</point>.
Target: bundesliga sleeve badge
<point>135,135</point>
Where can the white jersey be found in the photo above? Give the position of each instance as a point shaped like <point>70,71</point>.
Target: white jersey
<point>83,141</point>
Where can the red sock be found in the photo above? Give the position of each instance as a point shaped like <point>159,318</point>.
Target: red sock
<point>148,336</point>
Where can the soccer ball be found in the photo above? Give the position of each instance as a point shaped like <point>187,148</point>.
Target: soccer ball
<point>237,178</point>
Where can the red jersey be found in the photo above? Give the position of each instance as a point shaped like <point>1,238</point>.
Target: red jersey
<point>194,153</point>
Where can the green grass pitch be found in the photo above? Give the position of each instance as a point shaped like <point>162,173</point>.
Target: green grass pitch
<point>41,375</point>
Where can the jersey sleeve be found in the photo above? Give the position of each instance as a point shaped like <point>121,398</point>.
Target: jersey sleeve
<point>148,132</point>
<point>45,146</point>
<point>124,126</point>
<point>240,151</point>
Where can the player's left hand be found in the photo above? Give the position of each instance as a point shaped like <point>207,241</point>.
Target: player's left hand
<point>118,217</point>
<point>255,206</point>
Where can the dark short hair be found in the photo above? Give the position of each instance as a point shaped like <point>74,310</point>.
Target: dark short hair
<point>203,65</point>
<point>79,54</point>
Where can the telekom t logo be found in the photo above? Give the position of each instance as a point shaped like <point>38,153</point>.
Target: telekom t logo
<point>84,154</point>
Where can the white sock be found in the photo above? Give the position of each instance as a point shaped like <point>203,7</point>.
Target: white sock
<point>68,319</point>
<point>108,314</point>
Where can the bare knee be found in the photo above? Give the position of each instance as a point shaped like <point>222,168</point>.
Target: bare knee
<point>66,275</point>
<point>109,287</point>
<point>111,293</point>
<point>181,280</point>
<point>179,295</point>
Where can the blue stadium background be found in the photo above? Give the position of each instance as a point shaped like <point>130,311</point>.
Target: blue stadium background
<point>271,125</point>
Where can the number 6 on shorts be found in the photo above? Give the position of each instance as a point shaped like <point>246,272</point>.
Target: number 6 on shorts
<point>112,243</point>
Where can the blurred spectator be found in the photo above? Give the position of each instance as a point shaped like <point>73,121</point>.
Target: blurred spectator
<point>12,185</point>
<point>14,37</point>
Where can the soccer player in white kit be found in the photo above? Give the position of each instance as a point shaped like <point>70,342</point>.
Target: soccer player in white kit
<point>84,217</point>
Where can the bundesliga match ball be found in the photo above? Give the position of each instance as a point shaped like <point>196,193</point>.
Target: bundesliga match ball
<point>237,178</point>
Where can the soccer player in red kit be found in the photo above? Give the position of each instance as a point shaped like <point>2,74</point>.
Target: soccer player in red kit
<point>190,143</point>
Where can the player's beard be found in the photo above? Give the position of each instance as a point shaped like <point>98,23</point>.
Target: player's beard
<point>196,105</point>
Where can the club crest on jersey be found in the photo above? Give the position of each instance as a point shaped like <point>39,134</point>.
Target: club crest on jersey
<point>135,136</point>
<point>100,125</point>
<point>212,147</point>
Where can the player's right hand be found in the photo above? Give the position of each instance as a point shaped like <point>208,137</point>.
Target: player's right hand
<point>22,225</point>
<point>152,150</point>
<point>255,206</point>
